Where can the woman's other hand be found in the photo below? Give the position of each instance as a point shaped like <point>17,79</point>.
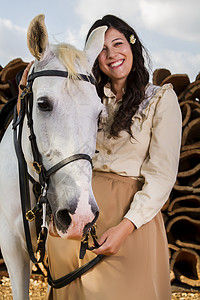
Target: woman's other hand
<point>113,238</point>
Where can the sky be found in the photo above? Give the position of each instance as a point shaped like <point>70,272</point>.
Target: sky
<point>169,29</point>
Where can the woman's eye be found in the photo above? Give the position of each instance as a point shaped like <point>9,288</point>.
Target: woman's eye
<point>118,43</point>
<point>44,104</point>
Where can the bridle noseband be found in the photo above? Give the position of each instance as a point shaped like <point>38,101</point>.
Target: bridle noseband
<point>40,188</point>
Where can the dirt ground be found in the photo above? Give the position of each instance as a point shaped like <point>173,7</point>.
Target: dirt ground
<point>38,289</point>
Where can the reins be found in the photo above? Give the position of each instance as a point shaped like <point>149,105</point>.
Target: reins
<point>40,188</point>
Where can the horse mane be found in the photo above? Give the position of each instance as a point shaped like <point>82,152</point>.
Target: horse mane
<point>72,59</point>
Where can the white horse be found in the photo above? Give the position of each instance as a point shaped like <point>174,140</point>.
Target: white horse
<point>65,114</point>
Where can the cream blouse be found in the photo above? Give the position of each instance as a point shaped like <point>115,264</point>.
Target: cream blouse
<point>152,156</point>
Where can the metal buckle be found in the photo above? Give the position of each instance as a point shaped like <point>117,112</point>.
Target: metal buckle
<point>30,216</point>
<point>39,240</point>
<point>38,255</point>
<point>93,231</point>
<point>37,167</point>
<point>26,91</point>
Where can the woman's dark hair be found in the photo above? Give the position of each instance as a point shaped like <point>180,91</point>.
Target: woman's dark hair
<point>136,81</point>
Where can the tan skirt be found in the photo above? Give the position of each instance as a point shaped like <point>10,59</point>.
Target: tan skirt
<point>139,271</point>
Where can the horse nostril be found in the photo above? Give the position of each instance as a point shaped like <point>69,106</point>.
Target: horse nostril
<point>63,218</point>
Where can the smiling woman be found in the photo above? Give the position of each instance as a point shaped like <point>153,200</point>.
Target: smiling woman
<point>135,168</point>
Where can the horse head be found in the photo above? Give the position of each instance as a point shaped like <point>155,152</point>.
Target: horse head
<point>65,115</point>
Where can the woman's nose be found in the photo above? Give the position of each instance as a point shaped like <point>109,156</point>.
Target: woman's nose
<point>111,53</point>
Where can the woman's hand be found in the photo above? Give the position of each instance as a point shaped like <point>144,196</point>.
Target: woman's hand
<point>113,238</point>
<point>23,82</point>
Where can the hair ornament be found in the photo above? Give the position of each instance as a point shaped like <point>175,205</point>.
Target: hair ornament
<point>132,39</point>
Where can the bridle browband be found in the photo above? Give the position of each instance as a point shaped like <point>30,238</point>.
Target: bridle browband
<point>40,188</point>
<point>58,73</point>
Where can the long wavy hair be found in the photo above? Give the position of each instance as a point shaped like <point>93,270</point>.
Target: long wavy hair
<point>136,80</point>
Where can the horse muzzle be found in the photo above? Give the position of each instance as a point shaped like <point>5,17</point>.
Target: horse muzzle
<point>71,226</point>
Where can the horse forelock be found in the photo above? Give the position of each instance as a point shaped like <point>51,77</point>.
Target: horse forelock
<point>73,60</point>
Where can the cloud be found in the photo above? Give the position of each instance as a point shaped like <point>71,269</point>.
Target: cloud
<point>13,42</point>
<point>164,24</point>
<point>76,36</point>
<point>90,10</point>
<point>178,18</point>
<point>175,19</point>
<point>178,62</point>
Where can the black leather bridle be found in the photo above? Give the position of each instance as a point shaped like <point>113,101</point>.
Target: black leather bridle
<point>40,188</point>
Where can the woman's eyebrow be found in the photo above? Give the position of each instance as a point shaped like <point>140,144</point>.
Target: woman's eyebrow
<point>117,39</point>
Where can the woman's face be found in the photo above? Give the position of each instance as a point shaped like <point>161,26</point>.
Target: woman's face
<point>116,58</point>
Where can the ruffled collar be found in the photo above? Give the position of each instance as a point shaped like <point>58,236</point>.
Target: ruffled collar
<point>110,103</point>
<point>142,112</point>
<point>109,93</point>
<point>150,91</point>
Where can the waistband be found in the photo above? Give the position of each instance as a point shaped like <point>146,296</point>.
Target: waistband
<point>117,177</point>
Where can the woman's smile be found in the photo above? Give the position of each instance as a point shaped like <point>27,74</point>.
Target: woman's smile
<point>116,63</point>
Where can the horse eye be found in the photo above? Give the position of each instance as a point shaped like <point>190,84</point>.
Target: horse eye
<point>44,104</point>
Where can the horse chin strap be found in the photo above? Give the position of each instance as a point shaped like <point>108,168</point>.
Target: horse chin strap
<point>40,188</point>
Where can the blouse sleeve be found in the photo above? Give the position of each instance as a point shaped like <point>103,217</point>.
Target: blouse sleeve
<point>161,165</point>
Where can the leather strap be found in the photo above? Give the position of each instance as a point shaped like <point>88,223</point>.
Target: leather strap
<point>65,280</point>
<point>66,161</point>
<point>36,154</point>
<point>25,194</point>
<point>59,73</point>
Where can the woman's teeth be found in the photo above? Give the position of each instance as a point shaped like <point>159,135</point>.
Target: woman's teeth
<point>116,64</point>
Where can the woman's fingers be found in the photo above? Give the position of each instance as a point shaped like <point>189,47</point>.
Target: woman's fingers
<point>113,238</point>
<point>106,243</point>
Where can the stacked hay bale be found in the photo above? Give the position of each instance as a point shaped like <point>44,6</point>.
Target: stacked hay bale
<point>182,211</point>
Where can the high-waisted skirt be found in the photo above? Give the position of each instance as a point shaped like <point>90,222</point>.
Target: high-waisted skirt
<point>140,269</point>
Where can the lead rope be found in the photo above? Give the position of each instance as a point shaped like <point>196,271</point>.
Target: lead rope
<point>85,244</point>
<point>67,279</point>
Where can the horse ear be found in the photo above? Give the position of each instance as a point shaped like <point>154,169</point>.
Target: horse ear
<point>94,44</point>
<point>37,37</point>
